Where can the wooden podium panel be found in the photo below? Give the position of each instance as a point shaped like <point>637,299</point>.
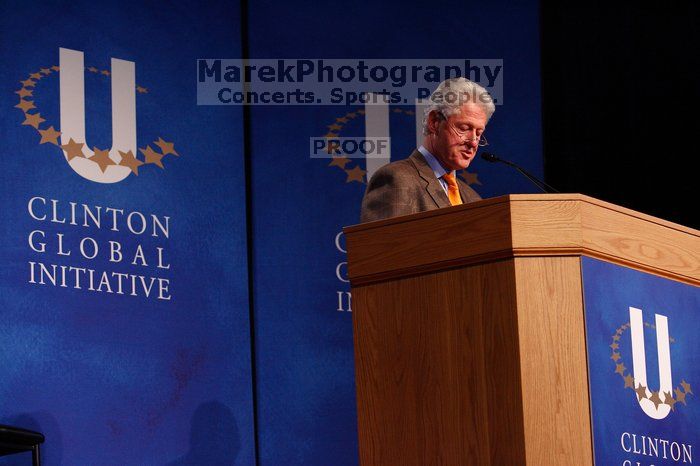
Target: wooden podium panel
<point>470,331</point>
<point>421,372</point>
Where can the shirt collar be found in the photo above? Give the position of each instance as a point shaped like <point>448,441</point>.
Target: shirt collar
<point>435,165</point>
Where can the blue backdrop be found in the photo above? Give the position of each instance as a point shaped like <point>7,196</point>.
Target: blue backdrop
<point>119,379</point>
<point>113,378</point>
<point>303,330</point>
<point>619,423</point>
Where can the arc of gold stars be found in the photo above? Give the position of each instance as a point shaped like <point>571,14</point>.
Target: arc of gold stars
<point>130,160</point>
<point>152,156</point>
<point>337,159</point>
<point>25,105</point>
<point>101,158</point>
<point>24,92</point>
<point>654,398</point>
<point>166,147</point>
<point>33,120</point>
<point>355,174</point>
<point>641,391</point>
<point>49,135</point>
<point>669,400</point>
<point>73,148</point>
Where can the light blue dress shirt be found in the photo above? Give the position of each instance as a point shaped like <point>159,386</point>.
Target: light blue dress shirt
<point>438,169</point>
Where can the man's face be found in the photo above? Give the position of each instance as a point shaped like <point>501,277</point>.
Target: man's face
<point>454,142</point>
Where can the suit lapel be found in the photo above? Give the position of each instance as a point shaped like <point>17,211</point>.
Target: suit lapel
<point>432,185</point>
<point>466,197</point>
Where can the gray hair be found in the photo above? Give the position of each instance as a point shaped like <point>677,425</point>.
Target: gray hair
<point>452,93</point>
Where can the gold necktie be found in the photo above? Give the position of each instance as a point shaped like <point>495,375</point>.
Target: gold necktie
<point>452,188</point>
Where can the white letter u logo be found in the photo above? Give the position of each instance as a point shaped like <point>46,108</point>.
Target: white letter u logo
<point>72,101</point>
<point>639,363</point>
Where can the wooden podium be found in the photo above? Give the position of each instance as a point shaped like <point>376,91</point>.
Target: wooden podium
<point>469,330</point>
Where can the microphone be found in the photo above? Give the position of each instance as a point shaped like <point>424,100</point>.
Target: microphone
<point>493,158</point>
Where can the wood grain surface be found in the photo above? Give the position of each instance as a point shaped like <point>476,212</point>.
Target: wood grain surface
<point>469,325</point>
<point>554,370</point>
<point>520,226</point>
<point>437,369</point>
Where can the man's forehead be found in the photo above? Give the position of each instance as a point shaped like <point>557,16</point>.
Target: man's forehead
<point>470,111</point>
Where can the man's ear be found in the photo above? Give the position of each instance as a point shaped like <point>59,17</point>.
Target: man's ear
<point>434,119</point>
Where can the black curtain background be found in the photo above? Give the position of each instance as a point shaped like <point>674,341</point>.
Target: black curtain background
<point>620,104</point>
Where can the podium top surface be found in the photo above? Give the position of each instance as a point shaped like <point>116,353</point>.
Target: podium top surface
<point>521,225</point>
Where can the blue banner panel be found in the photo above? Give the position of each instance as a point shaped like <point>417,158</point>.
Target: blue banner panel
<point>644,365</point>
<point>123,291</point>
<point>302,197</point>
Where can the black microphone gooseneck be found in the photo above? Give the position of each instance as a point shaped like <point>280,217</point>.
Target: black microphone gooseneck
<point>493,158</point>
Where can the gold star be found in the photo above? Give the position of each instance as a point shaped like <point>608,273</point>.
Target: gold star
<point>355,174</point>
<point>102,159</point>
<point>152,156</point>
<point>128,160</point>
<point>619,331</point>
<point>166,147</point>
<point>339,162</point>
<point>410,112</point>
<point>686,387</point>
<point>25,105</point>
<point>616,337</point>
<point>55,68</point>
<point>36,76</point>
<point>470,178</point>
<point>24,92</point>
<point>105,72</point>
<point>361,112</point>
<point>330,134</point>
<point>614,346</point>
<point>655,399</point>
<point>45,71</point>
<point>49,135</point>
<point>620,369</point>
<point>341,120</point>
<point>33,119</point>
<point>615,357</point>
<point>28,83</point>
<point>629,382</point>
<point>92,69</point>
<point>73,149</point>
<point>641,391</point>
<point>141,90</point>
<point>397,110</point>
<point>351,115</point>
<point>668,399</point>
<point>680,396</point>
<point>335,127</point>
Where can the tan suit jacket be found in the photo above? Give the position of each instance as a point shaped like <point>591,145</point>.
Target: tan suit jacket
<point>406,187</point>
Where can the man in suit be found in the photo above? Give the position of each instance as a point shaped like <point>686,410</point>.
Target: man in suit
<point>453,126</point>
